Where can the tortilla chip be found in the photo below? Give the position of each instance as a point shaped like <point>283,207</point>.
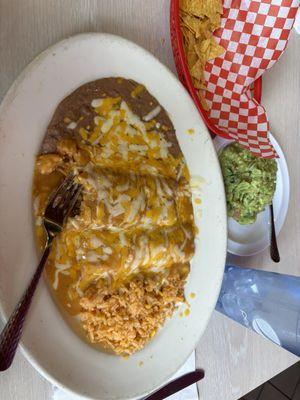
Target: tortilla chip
<point>200,85</point>
<point>199,8</point>
<point>197,70</point>
<point>185,33</point>
<point>191,58</point>
<point>191,40</point>
<point>192,23</point>
<point>215,50</point>
<point>203,101</point>
<point>208,49</point>
<point>198,20</point>
<point>205,29</point>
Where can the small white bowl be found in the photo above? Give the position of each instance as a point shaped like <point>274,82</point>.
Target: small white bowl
<point>48,342</point>
<point>247,240</point>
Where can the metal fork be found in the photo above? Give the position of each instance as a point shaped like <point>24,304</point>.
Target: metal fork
<point>60,206</point>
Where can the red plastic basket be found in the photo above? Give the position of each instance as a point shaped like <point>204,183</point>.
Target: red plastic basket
<point>183,70</point>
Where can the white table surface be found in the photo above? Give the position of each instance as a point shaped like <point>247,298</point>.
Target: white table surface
<point>235,359</point>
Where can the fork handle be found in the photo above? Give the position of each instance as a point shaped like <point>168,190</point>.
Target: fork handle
<point>274,252</point>
<point>10,336</point>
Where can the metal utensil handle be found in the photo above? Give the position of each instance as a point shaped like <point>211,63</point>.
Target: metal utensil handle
<point>10,336</point>
<point>176,385</point>
<point>274,252</point>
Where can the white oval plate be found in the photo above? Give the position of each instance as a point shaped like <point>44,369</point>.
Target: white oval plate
<point>247,240</point>
<point>48,342</point>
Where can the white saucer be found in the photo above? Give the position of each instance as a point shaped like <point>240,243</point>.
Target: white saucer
<point>246,240</point>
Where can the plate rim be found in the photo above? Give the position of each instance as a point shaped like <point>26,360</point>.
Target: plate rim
<point>8,99</point>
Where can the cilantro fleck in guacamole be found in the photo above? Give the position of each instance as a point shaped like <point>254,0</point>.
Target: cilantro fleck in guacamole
<point>249,182</point>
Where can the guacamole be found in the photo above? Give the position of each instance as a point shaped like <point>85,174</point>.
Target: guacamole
<point>250,182</point>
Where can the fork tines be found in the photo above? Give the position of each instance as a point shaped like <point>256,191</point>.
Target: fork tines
<point>63,200</point>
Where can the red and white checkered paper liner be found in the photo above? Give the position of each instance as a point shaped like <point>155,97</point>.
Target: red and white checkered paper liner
<point>254,35</point>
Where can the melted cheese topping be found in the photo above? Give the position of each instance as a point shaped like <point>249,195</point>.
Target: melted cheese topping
<point>122,141</point>
<point>136,213</point>
<point>124,201</point>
